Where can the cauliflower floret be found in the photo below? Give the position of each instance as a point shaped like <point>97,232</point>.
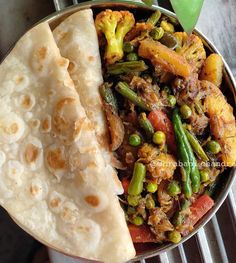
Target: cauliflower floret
<point>114,25</point>
<point>193,51</point>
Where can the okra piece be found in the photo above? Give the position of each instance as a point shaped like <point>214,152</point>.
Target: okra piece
<point>146,125</point>
<point>136,184</point>
<point>124,89</point>
<point>197,148</point>
<point>126,67</point>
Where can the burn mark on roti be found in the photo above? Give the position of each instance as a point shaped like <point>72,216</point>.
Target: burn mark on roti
<point>31,153</point>
<point>92,200</point>
<point>55,160</point>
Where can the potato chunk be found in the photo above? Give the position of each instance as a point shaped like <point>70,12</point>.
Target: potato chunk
<point>222,122</point>
<point>162,56</point>
<point>213,69</point>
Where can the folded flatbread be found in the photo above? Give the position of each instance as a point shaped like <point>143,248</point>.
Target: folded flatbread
<point>52,179</point>
<point>77,40</point>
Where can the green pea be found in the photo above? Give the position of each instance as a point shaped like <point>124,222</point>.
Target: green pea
<point>134,140</point>
<point>133,200</point>
<point>213,147</point>
<point>172,100</point>
<point>174,236</point>
<point>131,210</point>
<point>173,188</point>
<point>204,176</point>
<point>128,47</point>
<point>185,111</point>
<point>132,57</point>
<point>150,203</point>
<point>157,33</point>
<point>138,221</point>
<point>151,187</point>
<point>159,137</point>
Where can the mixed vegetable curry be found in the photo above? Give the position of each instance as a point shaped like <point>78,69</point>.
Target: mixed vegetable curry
<point>171,128</point>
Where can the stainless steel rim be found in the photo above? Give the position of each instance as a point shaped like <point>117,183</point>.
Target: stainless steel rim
<point>55,18</point>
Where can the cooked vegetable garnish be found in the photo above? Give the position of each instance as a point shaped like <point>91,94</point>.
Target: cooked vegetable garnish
<point>146,125</point>
<point>197,148</point>
<point>124,89</point>
<point>178,131</point>
<point>162,56</point>
<point>126,67</point>
<point>136,184</point>
<point>114,25</point>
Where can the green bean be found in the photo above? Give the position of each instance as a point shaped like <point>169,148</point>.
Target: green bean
<point>124,89</point>
<point>197,148</point>
<point>126,67</point>
<point>194,174</point>
<point>146,125</point>
<point>136,184</point>
<point>179,216</point>
<point>154,18</point>
<point>134,140</point>
<point>184,158</point>
<point>107,95</point>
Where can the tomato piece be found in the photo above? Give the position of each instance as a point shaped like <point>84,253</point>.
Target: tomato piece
<point>200,207</point>
<point>161,122</point>
<point>141,234</point>
<point>125,183</point>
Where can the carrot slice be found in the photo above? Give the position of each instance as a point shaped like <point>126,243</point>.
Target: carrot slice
<point>161,122</point>
<point>141,234</point>
<point>200,207</point>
